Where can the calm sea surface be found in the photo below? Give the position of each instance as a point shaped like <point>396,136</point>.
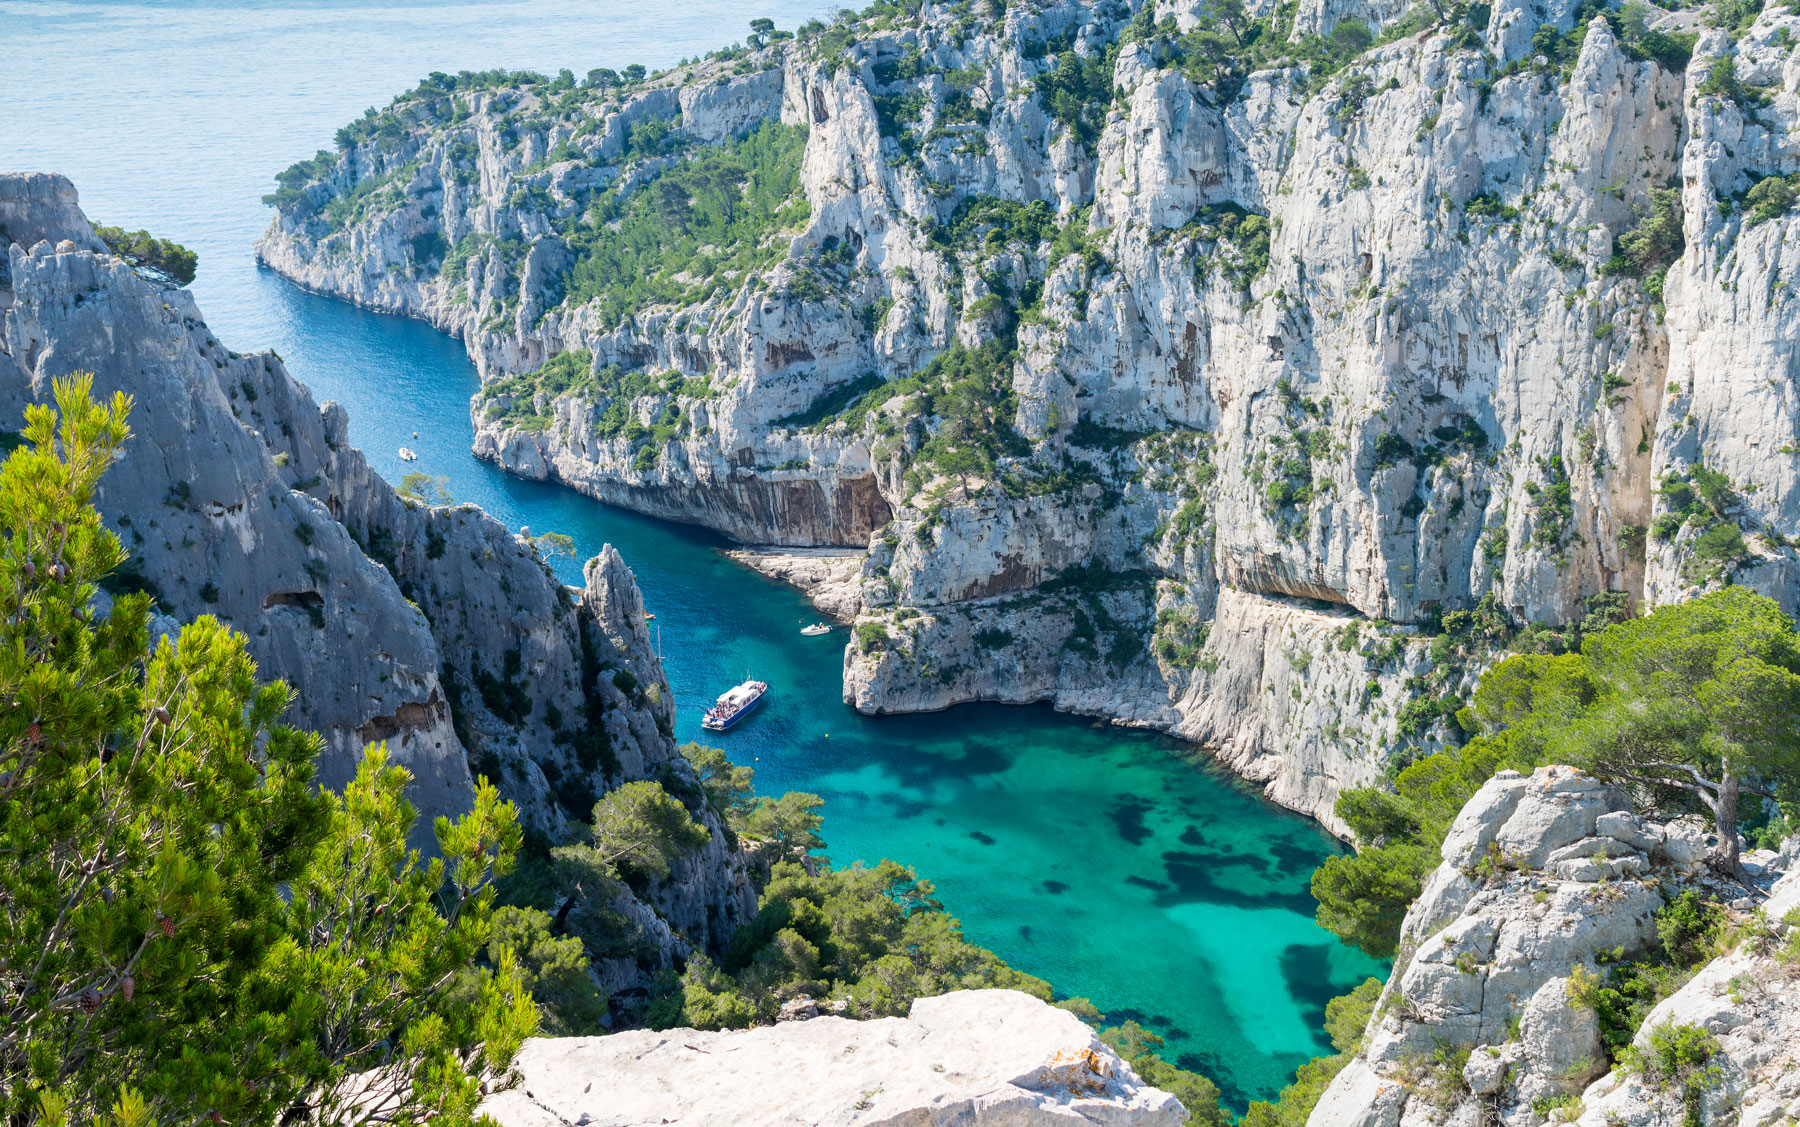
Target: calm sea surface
<point>1114,864</point>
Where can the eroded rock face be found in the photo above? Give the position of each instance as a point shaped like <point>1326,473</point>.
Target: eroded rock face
<point>994,1057</point>
<point>1282,345</point>
<point>1544,877</point>
<point>215,525</point>
<point>239,496</point>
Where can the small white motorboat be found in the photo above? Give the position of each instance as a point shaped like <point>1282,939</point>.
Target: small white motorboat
<point>407,454</point>
<point>815,629</point>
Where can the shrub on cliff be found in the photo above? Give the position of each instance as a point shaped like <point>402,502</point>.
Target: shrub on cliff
<point>874,938</point>
<point>1691,707</point>
<point>555,968</point>
<point>1139,1048</point>
<point>1654,242</point>
<point>1769,198</point>
<point>1363,896</point>
<point>190,929</point>
<point>160,259</point>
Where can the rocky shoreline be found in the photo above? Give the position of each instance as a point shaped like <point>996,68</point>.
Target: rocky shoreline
<point>1146,394</point>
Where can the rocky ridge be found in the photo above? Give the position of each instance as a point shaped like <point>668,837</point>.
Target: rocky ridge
<point>1546,881</point>
<point>1230,361</point>
<point>995,1057</point>
<point>432,629</point>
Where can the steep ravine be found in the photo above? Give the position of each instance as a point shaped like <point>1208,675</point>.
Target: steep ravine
<point>1165,388</point>
<point>433,629</point>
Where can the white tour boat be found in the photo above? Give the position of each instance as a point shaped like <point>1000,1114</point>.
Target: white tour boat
<point>737,703</point>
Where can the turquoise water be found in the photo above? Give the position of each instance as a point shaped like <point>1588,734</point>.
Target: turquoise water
<point>1115,864</point>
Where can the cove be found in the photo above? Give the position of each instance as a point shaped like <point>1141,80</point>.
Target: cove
<point>1121,866</point>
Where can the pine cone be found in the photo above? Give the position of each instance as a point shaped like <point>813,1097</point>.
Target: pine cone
<point>160,715</point>
<point>127,987</point>
<point>167,925</point>
<point>90,1000</point>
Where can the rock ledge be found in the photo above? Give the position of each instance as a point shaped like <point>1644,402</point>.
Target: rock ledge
<point>994,1057</point>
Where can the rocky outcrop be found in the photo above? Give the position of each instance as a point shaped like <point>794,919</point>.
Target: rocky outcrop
<point>214,524</point>
<point>1545,879</point>
<point>434,630</point>
<point>1749,1002</point>
<point>995,1057</point>
<point>831,578</point>
<point>1391,334</point>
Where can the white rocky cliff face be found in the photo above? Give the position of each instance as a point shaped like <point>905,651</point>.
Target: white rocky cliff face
<point>1225,359</point>
<point>994,1057</point>
<point>1547,880</point>
<point>434,630</point>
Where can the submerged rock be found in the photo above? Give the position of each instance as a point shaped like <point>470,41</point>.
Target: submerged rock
<point>994,1057</point>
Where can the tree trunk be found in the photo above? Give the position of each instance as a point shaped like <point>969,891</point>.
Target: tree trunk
<point>561,922</point>
<point>1725,823</point>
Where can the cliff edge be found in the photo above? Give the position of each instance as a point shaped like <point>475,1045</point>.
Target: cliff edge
<point>994,1057</point>
<point>434,630</point>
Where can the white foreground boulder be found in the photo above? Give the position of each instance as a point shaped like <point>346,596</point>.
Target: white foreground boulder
<point>997,1058</point>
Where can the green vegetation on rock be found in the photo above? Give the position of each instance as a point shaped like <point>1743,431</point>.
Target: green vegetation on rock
<point>1691,707</point>
<point>705,223</point>
<point>871,937</point>
<point>193,929</point>
<point>155,258</point>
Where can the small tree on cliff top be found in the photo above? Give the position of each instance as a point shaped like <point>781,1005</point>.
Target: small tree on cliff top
<point>191,931</point>
<point>1694,703</point>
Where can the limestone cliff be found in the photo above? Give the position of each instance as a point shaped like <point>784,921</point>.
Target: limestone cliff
<point>993,1057</point>
<point>1145,356</point>
<point>1545,882</point>
<point>433,629</point>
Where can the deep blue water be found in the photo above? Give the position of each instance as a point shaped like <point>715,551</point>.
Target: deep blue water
<point>1118,865</point>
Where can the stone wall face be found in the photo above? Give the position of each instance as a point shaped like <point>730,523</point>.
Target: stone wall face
<point>239,496</point>
<point>1350,346</point>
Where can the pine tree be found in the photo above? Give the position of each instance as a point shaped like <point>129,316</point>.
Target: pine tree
<point>153,811</point>
<point>1693,705</point>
